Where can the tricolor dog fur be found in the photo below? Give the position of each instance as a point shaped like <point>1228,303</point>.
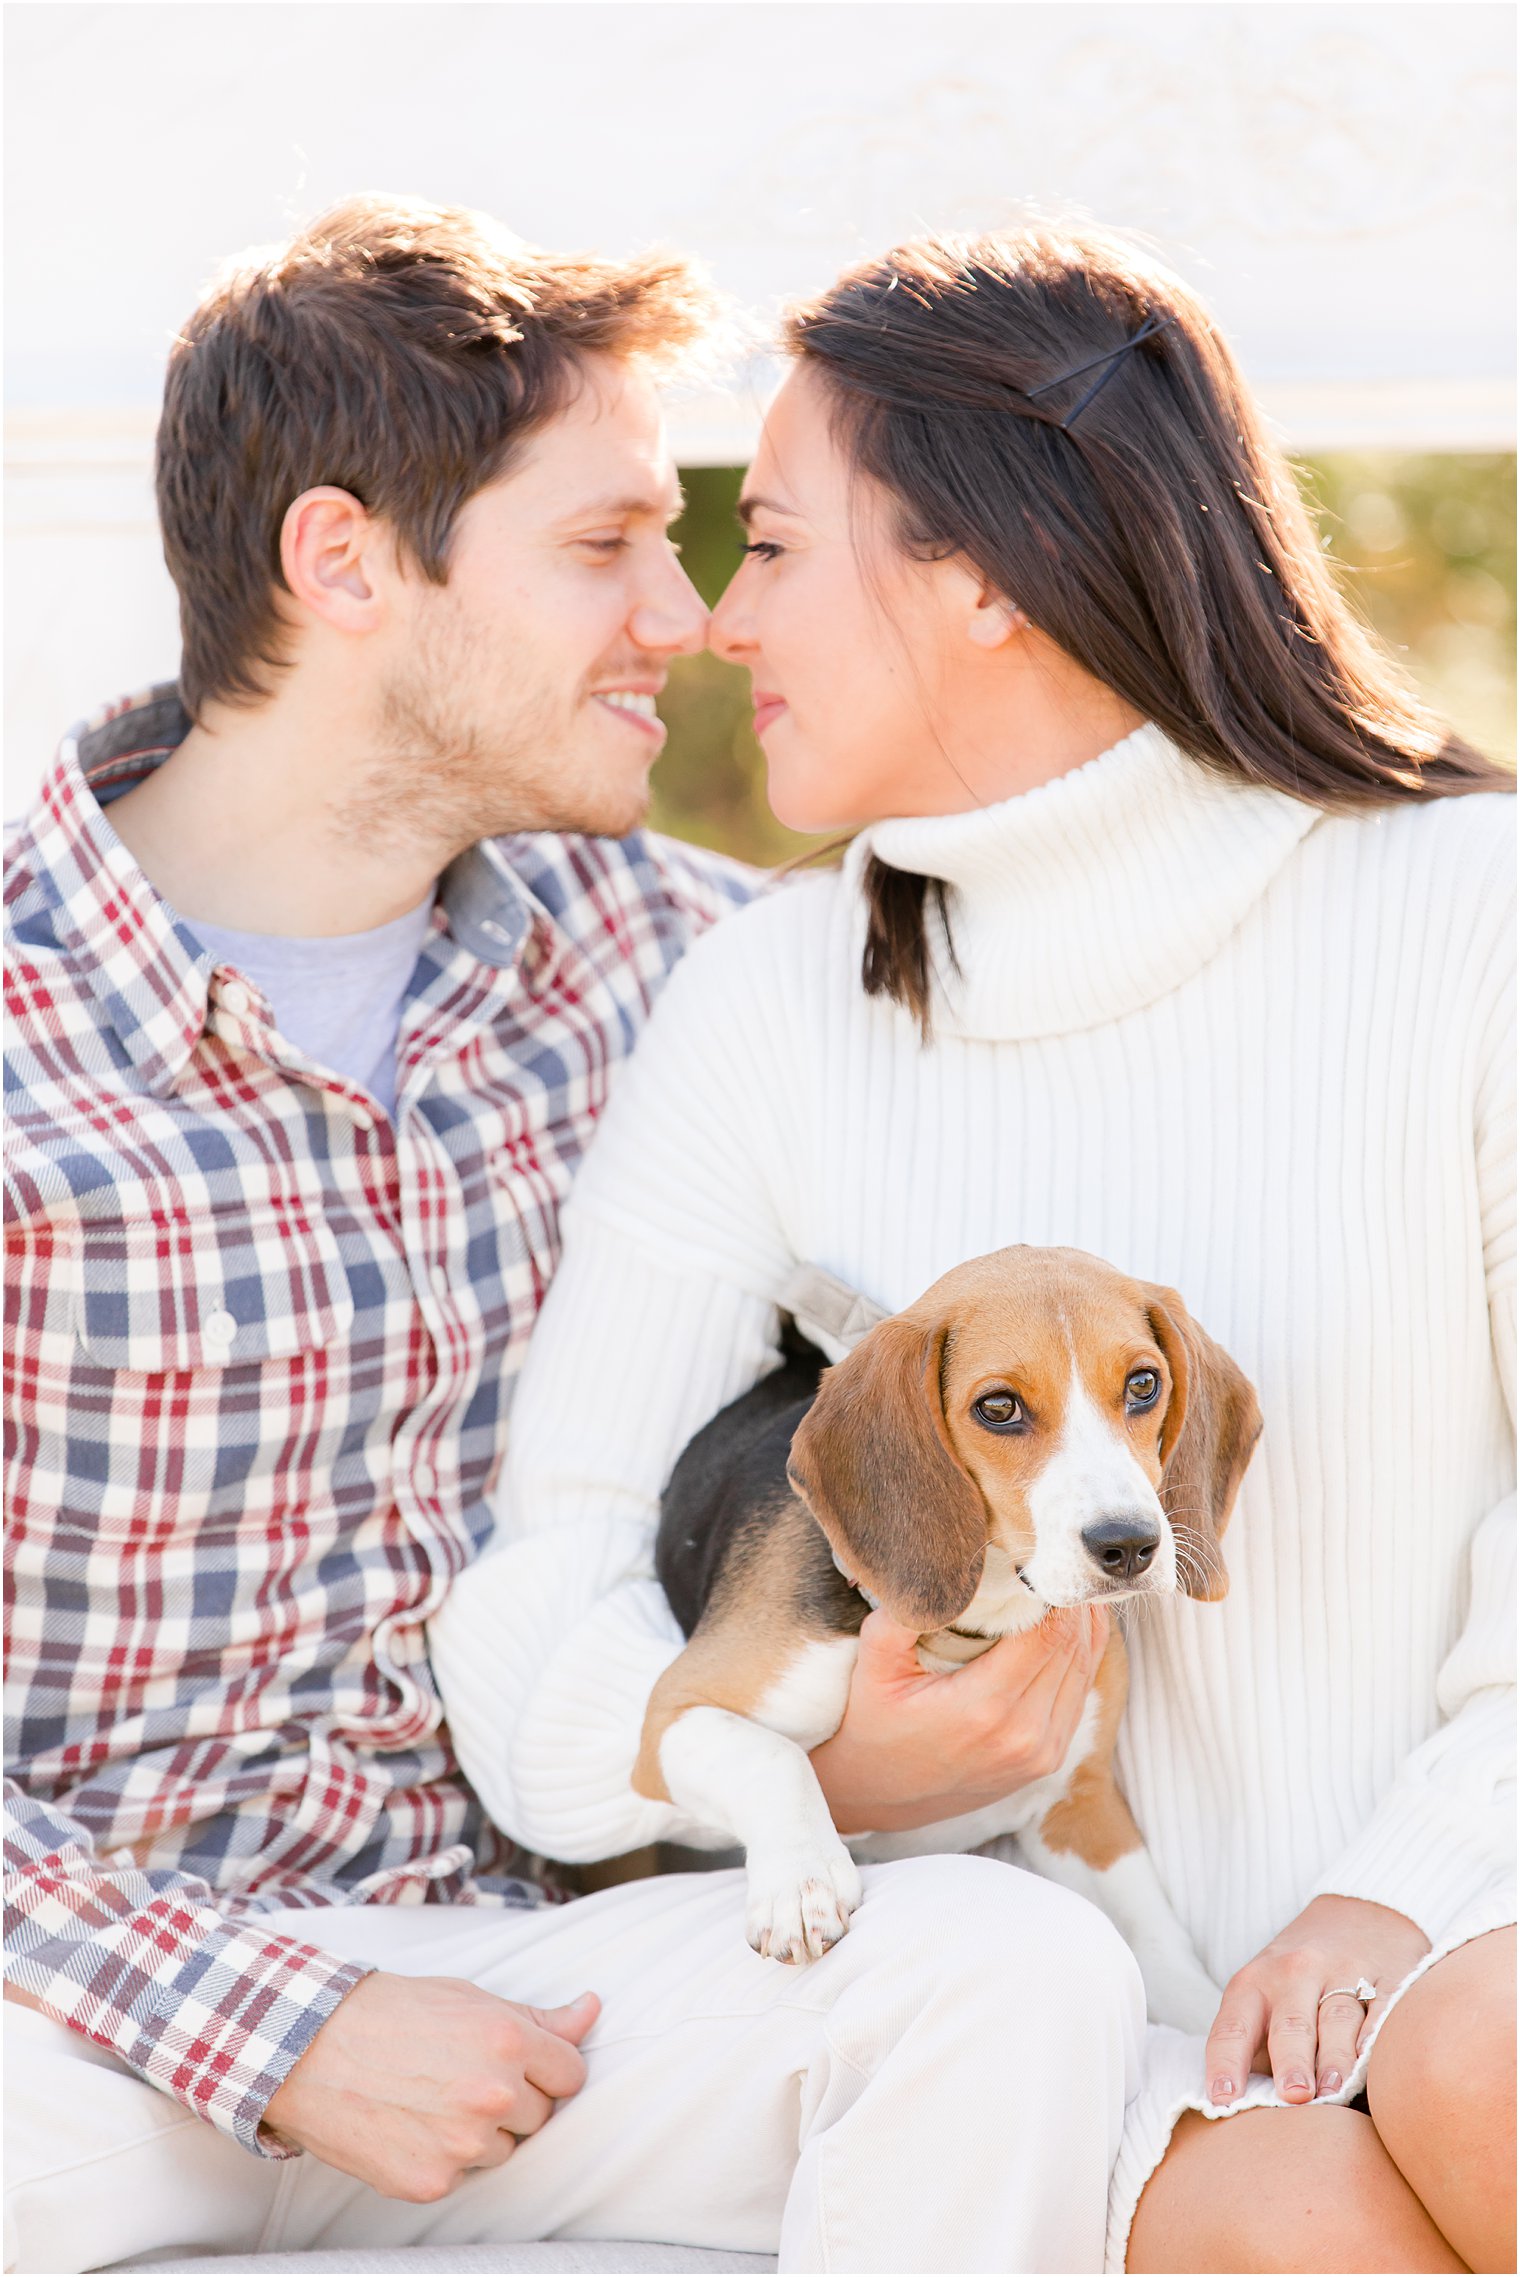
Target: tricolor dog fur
<point>1038,1430</point>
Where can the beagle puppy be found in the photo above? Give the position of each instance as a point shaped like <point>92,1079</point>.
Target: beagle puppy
<point>1038,1430</point>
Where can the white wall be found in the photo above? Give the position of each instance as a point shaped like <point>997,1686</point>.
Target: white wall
<point>1335,177</point>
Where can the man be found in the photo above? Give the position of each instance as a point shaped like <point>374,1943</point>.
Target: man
<point>321,965</point>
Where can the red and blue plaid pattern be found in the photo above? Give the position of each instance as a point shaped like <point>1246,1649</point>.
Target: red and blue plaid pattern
<point>261,1342</point>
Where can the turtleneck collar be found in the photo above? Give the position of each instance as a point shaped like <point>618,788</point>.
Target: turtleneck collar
<point>1093,895</point>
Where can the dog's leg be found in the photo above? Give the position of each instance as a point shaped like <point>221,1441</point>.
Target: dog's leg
<point>1128,1889</point>
<point>803,1883</point>
<point>1088,1841</point>
<point>732,1755</point>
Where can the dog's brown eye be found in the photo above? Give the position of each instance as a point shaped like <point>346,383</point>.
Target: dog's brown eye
<point>1142,1388</point>
<point>1000,1411</point>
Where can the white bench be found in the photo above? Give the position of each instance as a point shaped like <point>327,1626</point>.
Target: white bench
<point>575,2257</point>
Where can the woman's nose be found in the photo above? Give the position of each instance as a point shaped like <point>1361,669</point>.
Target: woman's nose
<point>729,632</point>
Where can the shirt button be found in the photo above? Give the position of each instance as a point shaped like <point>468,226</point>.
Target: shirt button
<point>219,1327</point>
<point>440,1278</point>
<point>493,931</point>
<point>424,1477</point>
<point>235,999</point>
<point>363,1120</point>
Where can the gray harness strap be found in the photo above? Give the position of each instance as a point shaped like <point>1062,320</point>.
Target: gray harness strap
<point>828,1310</point>
<point>835,1317</point>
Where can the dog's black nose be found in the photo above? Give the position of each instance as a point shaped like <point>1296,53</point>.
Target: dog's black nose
<point>1123,1547</point>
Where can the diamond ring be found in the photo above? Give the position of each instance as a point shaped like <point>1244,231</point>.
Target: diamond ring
<point>1362,1990</point>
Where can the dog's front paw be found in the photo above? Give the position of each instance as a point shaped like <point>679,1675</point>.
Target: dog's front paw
<point>800,1902</point>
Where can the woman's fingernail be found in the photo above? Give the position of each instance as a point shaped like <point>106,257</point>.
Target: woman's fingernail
<point>1329,2083</point>
<point>1295,2079</point>
<point>1222,2090</point>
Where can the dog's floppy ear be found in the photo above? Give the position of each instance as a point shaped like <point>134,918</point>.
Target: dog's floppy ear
<point>873,1462</point>
<point>1212,1423</point>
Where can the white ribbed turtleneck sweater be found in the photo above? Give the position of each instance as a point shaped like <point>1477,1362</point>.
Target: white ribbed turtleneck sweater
<point>1258,1053</point>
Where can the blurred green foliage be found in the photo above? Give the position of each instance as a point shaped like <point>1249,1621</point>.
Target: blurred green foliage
<point>1426,548</point>
<point>1426,545</point>
<point>710,782</point>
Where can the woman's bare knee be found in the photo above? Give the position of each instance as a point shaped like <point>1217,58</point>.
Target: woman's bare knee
<point>1305,2189</point>
<point>1441,2088</point>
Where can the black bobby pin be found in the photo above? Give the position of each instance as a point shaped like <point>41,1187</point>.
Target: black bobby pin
<point>1111,357</point>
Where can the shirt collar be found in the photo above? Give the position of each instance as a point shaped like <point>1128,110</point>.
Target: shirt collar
<point>490,912</point>
<point>144,963</point>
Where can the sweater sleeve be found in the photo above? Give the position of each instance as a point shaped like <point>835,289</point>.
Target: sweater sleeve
<point>143,1964</point>
<point>662,1310</point>
<point>1445,1831</point>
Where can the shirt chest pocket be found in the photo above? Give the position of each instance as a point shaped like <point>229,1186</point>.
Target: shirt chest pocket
<point>224,1288</point>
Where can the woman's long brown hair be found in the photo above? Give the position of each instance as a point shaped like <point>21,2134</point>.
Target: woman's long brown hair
<point>1158,537</point>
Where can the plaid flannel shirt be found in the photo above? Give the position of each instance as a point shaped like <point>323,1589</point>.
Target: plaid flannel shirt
<point>260,1346</point>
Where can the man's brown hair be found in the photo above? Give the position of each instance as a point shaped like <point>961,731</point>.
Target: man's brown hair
<point>398,350</point>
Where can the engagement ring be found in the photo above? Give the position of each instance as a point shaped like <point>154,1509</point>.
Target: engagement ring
<point>1362,1990</point>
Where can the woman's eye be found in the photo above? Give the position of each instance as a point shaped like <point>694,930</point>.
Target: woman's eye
<point>761,549</point>
<point>604,545</point>
<point>1142,1387</point>
<point>1000,1411</point>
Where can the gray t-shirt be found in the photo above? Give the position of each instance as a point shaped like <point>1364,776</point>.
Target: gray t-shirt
<point>338,1000</point>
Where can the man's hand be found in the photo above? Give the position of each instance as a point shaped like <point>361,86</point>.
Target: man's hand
<point>413,2081</point>
<point>1271,2008</point>
<point>914,1748</point>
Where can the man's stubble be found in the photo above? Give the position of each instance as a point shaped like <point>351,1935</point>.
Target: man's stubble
<point>453,765</point>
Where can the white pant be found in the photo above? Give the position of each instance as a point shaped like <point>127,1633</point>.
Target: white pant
<point>943,2091</point>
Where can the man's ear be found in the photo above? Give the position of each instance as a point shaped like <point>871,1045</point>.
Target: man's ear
<point>1212,1423</point>
<point>328,548</point>
<point>873,1462</point>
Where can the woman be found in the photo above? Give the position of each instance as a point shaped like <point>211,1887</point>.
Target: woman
<point>1176,931</point>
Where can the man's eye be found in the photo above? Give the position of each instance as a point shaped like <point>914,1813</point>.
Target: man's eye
<point>1142,1388</point>
<point>1000,1411</point>
<point>762,549</point>
<point>605,545</point>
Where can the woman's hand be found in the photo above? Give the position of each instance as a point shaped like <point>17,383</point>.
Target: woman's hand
<point>1272,2008</point>
<point>914,1748</point>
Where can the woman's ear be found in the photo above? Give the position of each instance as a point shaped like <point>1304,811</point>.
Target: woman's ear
<point>328,543</point>
<point>873,1462</point>
<point>1212,1424</point>
<point>994,619</point>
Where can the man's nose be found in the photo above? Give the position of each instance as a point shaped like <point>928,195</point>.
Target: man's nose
<point>673,622</point>
<point>1123,1545</point>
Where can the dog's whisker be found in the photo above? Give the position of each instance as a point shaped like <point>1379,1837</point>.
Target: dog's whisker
<point>1193,1569</point>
